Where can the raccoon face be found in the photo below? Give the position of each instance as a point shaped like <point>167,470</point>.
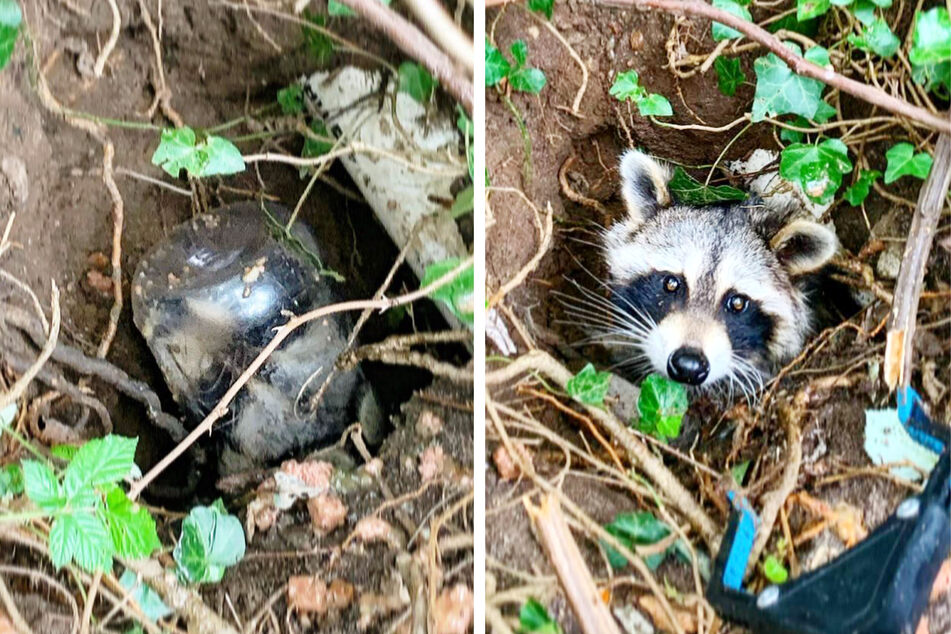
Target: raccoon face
<point>708,294</point>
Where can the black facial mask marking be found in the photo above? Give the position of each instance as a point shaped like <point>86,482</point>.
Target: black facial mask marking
<point>749,330</point>
<point>648,294</point>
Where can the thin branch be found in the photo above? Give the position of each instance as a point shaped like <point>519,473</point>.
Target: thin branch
<point>111,42</point>
<point>21,383</point>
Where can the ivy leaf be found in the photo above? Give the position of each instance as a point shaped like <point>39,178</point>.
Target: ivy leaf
<point>533,618</point>
<point>589,386</point>
<point>338,9</point>
<point>458,295</point>
<point>864,11</point>
<point>722,32</point>
<point>818,169</point>
<point>496,66</point>
<point>636,529</point>
<point>824,112</point>
<point>878,38</point>
<point>318,43</point>
<point>10,19</point>
<point>42,486</point>
<point>688,190</point>
<point>934,77</point>
<point>774,570</point>
<point>627,87</point>
<point>530,80</point>
<point>781,91</point>
<point>81,537</point>
<point>654,105</point>
<point>931,42</point>
<point>542,6</point>
<point>808,9</point>
<point>291,99</point>
<point>131,528</point>
<point>416,82</point>
<point>729,74</point>
<point>661,404</point>
<point>858,191</point>
<point>180,149</point>
<point>903,161</point>
<point>211,541</point>
<point>147,599</point>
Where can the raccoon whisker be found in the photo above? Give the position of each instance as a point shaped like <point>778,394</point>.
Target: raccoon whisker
<point>601,306</point>
<point>597,315</point>
<point>637,311</point>
<point>599,326</point>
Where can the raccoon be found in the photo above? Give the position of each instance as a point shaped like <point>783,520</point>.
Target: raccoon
<point>711,295</point>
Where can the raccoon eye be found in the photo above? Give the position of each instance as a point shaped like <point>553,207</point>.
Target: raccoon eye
<point>737,303</point>
<point>671,284</point>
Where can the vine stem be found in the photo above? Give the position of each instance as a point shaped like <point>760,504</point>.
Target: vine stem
<point>799,65</point>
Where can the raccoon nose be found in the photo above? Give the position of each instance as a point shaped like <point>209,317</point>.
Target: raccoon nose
<point>688,365</point>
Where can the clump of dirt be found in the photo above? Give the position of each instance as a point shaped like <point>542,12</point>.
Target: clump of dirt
<point>221,62</point>
<point>572,167</point>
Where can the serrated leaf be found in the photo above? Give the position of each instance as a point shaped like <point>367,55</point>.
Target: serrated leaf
<point>64,452</point>
<point>542,6</point>
<point>661,404</point>
<point>931,42</point>
<point>416,81</point>
<point>99,462</point>
<point>319,44</point>
<point>42,486</point>
<point>497,67</point>
<point>774,570</point>
<point>589,386</point>
<point>626,87</point>
<point>818,169</point>
<point>458,294</point>
<point>809,9</point>
<point>145,597</point>
<point>730,75</point>
<point>211,540</point>
<point>780,91</point>
<point>533,618</point>
<point>81,537</point>
<point>858,191</point>
<point>131,528</point>
<point>687,190</point>
<point>654,105</point>
<point>10,19</point>
<point>876,37</point>
<point>291,99</point>
<point>902,161</point>
<point>722,32</point>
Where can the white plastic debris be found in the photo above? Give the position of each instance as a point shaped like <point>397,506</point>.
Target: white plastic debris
<point>887,441</point>
<point>770,186</point>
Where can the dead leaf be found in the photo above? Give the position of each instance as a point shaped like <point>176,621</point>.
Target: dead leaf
<point>340,594</point>
<point>651,605</point>
<point>894,355</point>
<point>327,512</point>
<point>452,613</point>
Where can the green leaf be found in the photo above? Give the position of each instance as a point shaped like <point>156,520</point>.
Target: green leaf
<point>931,42</point>
<point>64,452</point>
<point>903,161</point>
<point>687,190</point>
<point>882,4</point>
<point>81,537</point>
<point>318,43</point>
<point>99,462</point>
<point>654,105</point>
<point>464,124</point>
<point>721,32</point>
<point>738,472</point>
<point>180,149</point>
<point>878,38</point>
<point>291,99</point>
<point>794,136</point>
<point>10,19</point>
<point>808,9</point>
<point>864,11</point>
<point>210,542</point>
<point>730,75</point>
<point>131,527</point>
<point>338,9</point>
<point>463,203</point>
<point>774,570</point>
<point>530,80</point>
<point>661,404</point>
<point>519,51</point>
<point>780,91</point>
<point>824,112</point>
<point>11,480</point>
<point>934,77</point>
<point>497,67</point>
<point>542,6</point>
<point>789,23</point>
<point>533,618</point>
<point>636,529</point>
<point>457,295</point>
<point>147,599</point>
<point>818,169</point>
<point>626,87</point>
<point>589,386</point>
<point>858,191</point>
<point>315,147</point>
<point>42,486</point>
<point>416,82</point>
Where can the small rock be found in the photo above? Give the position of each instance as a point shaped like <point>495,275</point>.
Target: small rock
<point>432,463</point>
<point>888,264</point>
<point>14,171</point>
<point>307,593</point>
<point>340,594</point>
<point>327,513</point>
<point>452,613</point>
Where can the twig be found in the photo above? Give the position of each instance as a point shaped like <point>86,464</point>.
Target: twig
<point>444,31</point>
<point>901,331</point>
<point>414,43</point>
<point>117,218</point>
<point>111,42</point>
<point>6,599</point>
<point>90,602</point>
<point>279,336</point>
<point>17,389</point>
<point>797,63</point>
<point>544,241</point>
<point>574,55</point>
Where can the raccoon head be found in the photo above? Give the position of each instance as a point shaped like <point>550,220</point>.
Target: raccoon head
<point>711,293</point>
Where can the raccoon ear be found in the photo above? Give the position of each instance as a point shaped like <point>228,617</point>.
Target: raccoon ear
<point>804,246</point>
<point>643,185</point>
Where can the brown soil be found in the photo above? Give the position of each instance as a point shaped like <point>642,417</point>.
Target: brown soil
<point>218,67</point>
<point>611,41</point>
